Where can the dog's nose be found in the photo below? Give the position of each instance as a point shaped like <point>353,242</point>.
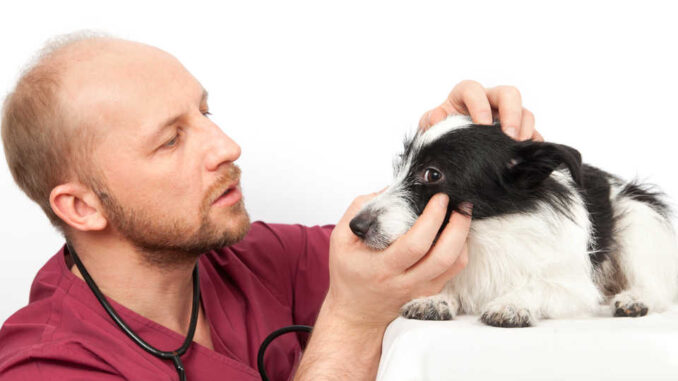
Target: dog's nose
<point>361,223</point>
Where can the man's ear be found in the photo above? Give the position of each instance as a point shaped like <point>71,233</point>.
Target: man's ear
<point>77,206</point>
<point>533,162</point>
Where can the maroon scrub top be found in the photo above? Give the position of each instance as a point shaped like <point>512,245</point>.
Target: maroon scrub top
<point>276,276</point>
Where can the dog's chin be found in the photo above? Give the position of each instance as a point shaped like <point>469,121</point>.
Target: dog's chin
<point>377,241</point>
<point>380,242</point>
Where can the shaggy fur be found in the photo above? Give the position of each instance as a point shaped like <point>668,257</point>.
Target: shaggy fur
<point>550,237</point>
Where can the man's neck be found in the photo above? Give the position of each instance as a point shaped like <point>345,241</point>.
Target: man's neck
<point>162,294</point>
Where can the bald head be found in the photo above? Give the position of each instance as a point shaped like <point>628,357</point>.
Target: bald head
<point>99,78</point>
<point>78,89</point>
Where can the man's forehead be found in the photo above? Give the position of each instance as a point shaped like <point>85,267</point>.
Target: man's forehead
<point>120,65</point>
<point>113,81</point>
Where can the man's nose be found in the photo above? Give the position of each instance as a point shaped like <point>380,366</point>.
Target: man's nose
<point>222,149</point>
<point>361,224</point>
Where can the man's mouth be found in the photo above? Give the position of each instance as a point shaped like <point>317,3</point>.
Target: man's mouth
<point>230,196</point>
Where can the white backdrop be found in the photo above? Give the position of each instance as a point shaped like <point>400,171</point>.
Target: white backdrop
<point>320,95</point>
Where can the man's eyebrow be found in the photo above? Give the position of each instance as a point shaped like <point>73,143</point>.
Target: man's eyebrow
<point>172,120</point>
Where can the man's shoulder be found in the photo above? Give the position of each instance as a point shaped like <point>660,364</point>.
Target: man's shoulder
<point>31,340</point>
<point>41,327</point>
<point>28,326</point>
<point>60,338</point>
<point>57,330</point>
<point>24,361</point>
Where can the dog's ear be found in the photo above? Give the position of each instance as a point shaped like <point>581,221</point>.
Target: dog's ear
<point>533,162</point>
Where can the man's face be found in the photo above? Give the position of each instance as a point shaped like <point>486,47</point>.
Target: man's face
<point>164,162</point>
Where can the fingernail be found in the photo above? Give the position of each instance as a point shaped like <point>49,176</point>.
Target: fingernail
<point>466,207</point>
<point>443,200</point>
<point>512,132</point>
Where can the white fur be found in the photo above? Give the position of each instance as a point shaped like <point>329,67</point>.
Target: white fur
<point>453,122</point>
<point>648,254</point>
<point>395,216</point>
<point>536,261</point>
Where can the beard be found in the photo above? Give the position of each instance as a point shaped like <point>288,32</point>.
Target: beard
<point>165,242</point>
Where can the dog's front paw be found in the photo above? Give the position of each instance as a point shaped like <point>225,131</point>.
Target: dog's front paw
<point>507,316</point>
<point>629,309</point>
<point>627,304</point>
<point>433,308</point>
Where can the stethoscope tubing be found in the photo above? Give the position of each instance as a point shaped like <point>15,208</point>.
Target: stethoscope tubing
<point>175,356</point>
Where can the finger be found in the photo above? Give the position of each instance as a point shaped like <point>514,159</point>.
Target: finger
<point>508,101</point>
<point>432,117</point>
<point>437,115</point>
<point>409,248</point>
<point>470,96</point>
<point>425,121</point>
<point>537,136</point>
<point>446,251</point>
<point>527,125</point>
<point>456,268</point>
<point>436,285</point>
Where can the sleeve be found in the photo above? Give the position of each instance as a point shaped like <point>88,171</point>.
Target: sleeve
<point>309,247</point>
<point>295,255</point>
<point>311,274</point>
<point>292,260</point>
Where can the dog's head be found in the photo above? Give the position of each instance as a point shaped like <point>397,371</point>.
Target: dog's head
<point>470,163</point>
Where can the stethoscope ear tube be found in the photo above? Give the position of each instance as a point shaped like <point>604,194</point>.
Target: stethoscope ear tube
<point>174,355</point>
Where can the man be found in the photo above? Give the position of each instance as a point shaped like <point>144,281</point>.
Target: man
<point>112,139</point>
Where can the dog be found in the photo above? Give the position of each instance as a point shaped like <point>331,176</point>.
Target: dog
<point>550,237</point>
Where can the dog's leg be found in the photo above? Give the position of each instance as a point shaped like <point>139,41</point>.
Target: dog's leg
<point>443,306</point>
<point>562,294</point>
<point>648,258</point>
<point>512,310</point>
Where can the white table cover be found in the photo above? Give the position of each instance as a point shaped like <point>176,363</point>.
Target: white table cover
<point>597,348</point>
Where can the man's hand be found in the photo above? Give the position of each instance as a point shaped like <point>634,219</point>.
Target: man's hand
<point>471,98</point>
<point>367,288</point>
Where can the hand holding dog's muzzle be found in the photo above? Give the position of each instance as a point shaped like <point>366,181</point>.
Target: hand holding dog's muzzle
<point>368,287</point>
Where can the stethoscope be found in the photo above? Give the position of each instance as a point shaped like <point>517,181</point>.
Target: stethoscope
<point>175,356</point>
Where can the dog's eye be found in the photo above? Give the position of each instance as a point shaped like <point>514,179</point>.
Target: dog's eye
<point>432,176</point>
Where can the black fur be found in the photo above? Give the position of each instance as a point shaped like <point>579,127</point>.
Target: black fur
<point>595,189</point>
<point>496,174</point>
<point>647,194</point>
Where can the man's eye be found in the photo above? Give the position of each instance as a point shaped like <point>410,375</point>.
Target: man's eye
<point>172,142</point>
<point>432,175</point>
<point>207,113</point>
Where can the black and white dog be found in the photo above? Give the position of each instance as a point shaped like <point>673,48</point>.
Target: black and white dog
<point>550,237</point>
